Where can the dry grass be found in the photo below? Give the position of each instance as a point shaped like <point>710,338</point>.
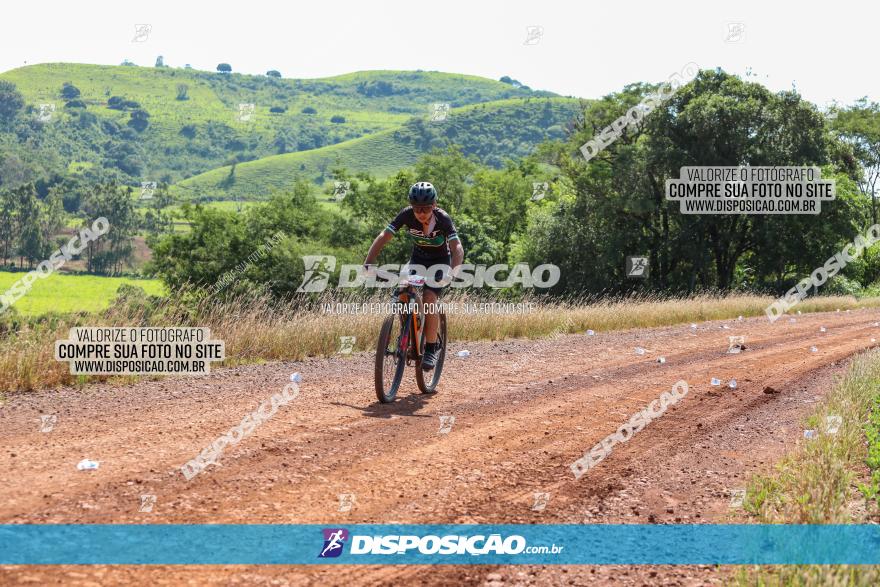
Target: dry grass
<point>816,484</point>
<point>255,329</point>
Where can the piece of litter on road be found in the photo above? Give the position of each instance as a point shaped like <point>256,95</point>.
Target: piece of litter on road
<point>716,381</point>
<point>591,333</point>
<point>813,349</point>
<point>640,350</point>
<point>296,377</point>
<point>661,359</point>
<point>739,319</point>
<point>873,340</point>
<point>464,353</point>
<point>810,434</point>
<point>799,312</point>
<point>821,329</point>
<point>838,309</point>
<point>732,384</point>
<point>87,465</point>
<point>725,327</point>
<point>693,326</point>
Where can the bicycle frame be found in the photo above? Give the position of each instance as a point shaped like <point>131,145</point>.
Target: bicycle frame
<point>407,296</point>
<point>411,326</point>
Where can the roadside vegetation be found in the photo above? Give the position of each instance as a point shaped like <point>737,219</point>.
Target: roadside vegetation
<point>831,479</point>
<point>257,328</point>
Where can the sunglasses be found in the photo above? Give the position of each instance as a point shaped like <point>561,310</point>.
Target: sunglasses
<point>422,209</point>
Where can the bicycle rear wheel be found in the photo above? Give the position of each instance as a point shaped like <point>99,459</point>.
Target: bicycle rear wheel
<point>391,358</point>
<point>429,385</point>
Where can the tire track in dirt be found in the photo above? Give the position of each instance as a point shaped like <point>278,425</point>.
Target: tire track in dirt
<point>516,433</point>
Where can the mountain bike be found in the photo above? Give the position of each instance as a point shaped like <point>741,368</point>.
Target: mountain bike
<point>396,350</point>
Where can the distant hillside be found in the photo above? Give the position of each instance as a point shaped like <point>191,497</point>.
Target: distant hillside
<point>489,132</point>
<point>192,118</point>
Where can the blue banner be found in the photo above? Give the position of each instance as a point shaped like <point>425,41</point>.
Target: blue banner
<point>428,544</point>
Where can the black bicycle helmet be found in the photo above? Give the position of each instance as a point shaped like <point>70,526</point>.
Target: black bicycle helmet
<point>422,193</point>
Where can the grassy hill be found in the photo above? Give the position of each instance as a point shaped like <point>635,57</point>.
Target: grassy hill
<point>490,132</point>
<point>194,123</point>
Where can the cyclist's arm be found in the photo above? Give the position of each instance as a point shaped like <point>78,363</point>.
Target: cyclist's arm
<point>378,244</point>
<point>454,242</point>
<point>457,252</point>
<point>386,235</point>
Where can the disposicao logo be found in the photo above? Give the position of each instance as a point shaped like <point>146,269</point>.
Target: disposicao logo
<point>334,540</point>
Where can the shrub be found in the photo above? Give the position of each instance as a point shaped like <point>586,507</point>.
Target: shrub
<point>338,119</point>
<point>69,91</point>
<point>139,120</point>
<point>120,103</point>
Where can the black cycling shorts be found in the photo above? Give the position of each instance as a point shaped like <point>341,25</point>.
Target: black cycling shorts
<point>436,269</point>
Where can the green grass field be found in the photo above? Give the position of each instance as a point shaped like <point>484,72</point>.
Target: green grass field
<point>215,97</point>
<point>72,293</point>
<point>381,154</point>
<point>370,102</point>
<point>378,134</point>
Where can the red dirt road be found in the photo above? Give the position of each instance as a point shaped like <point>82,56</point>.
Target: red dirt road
<point>524,411</point>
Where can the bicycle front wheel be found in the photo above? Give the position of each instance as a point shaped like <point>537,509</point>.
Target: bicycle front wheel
<point>429,385</point>
<point>391,358</point>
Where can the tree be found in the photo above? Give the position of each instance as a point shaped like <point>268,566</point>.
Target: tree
<point>337,119</point>
<point>220,241</point>
<point>617,205</point>
<point>500,195</point>
<point>110,252</point>
<point>224,68</point>
<point>309,110</point>
<point>30,241</point>
<point>120,103</point>
<point>69,91</point>
<point>273,73</point>
<point>283,141</point>
<point>51,218</point>
<point>156,220</point>
<point>859,127</point>
<point>450,172</point>
<point>160,61</point>
<point>378,88</point>
<point>182,90</point>
<point>9,227</point>
<point>11,101</point>
<point>139,120</point>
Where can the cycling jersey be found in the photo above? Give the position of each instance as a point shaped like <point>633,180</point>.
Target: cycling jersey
<point>434,244</point>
